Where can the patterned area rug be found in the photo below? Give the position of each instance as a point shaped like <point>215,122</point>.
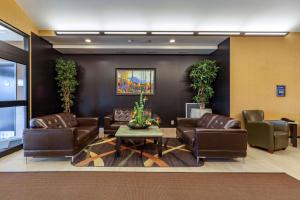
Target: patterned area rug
<point>102,154</point>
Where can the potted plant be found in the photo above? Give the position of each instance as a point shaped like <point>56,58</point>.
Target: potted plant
<point>66,81</point>
<point>202,75</point>
<point>140,120</point>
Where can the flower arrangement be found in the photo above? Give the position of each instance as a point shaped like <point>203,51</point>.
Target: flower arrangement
<point>140,118</point>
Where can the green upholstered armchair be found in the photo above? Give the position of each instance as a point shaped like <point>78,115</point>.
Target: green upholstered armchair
<point>267,134</point>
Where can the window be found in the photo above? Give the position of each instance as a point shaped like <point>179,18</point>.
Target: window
<point>12,123</point>
<point>14,58</point>
<point>12,81</point>
<point>13,38</point>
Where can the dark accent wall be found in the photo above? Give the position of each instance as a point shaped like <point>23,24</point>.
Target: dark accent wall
<point>45,99</point>
<point>221,100</point>
<point>96,94</point>
<point>96,73</point>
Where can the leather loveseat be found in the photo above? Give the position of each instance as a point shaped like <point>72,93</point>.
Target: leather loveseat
<point>120,117</point>
<point>213,136</point>
<point>267,134</point>
<point>60,134</point>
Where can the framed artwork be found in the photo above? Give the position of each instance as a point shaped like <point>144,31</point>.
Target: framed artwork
<point>134,81</point>
<point>280,90</point>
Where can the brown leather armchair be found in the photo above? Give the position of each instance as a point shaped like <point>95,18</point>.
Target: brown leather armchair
<point>213,136</point>
<point>119,117</point>
<point>58,135</point>
<point>267,134</point>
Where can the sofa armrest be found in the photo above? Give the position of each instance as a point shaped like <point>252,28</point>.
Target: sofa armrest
<point>261,128</point>
<point>108,120</point>
<point>279,125</point>
<point>187,122</point>
<point>235,139</point>
<point>261,134</point>
<point>49,139</point>
<point>88,121</point>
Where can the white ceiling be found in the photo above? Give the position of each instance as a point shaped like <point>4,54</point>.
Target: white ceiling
<point>170,15</point>
<point>137,44</point>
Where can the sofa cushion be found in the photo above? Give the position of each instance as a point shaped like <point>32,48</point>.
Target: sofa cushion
<point>83,132</point>
<point>48,121</point>
<point>68,119</point>
<point>223,122</point>
<point>184,129</point>
<point>122,115</point>
<point>125,115</point>
<point>116,125</point>
<point>205,120</point>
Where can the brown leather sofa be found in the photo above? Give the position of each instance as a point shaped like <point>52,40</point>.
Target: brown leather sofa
<point>58,135</point>
<point>213,136</point>
<point>120,117</point>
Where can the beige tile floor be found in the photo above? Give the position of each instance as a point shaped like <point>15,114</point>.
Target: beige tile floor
<point>257,160</point>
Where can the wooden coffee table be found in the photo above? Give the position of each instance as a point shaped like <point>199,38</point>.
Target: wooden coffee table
<point>153,132</point>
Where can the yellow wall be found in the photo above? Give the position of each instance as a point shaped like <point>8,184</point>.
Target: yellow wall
<point>258,64</point>
<point>12,14</point>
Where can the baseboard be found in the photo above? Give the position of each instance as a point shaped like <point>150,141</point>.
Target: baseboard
<point>11,150</point>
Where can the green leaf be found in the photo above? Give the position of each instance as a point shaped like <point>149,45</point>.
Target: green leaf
<point>66,81</point>
<point>202,76</point>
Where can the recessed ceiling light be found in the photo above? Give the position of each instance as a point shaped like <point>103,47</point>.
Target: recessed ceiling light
<point>219,33</point>
<point>267,33</point>
<point>87,40</point>
<point>172,33</point>
<point>129,41</point>
<point>172,41</point>
<point>126,33</point>
<point>77,32</point>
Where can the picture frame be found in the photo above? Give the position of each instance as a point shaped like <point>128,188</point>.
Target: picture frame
<point>133,81</point>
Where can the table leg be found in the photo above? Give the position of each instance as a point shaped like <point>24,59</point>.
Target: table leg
<point>159,146</point>
<point>293,129</point>
<point>143,147</point>
<point>119,141</point>
<point>166,142</point>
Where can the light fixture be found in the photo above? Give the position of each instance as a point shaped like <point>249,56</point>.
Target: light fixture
<point>219,33</point>
<point>171,33</point>
<point>266,33</point>
<point>77,32</point>
<point>172,41</point>
<point>125,33</point>
<point>87,40</point>
<point>129,41</point>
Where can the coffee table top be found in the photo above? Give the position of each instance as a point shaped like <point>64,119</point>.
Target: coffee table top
<point>152,131</point>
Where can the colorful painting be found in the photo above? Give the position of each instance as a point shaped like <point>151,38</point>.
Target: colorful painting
<point>135,81</point>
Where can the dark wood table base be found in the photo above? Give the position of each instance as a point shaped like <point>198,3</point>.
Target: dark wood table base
<point>293,131</point>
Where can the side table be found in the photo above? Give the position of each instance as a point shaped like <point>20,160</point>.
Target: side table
<point>293,131</point>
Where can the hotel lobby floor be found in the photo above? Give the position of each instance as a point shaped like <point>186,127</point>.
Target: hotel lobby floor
<point>257,160</point>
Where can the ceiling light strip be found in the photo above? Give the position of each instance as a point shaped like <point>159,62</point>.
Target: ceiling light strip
<point>172,33</point>
<point>219,33</point>
<point>125,33</point>
<point>266,33</point>
<point>77,32</point>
